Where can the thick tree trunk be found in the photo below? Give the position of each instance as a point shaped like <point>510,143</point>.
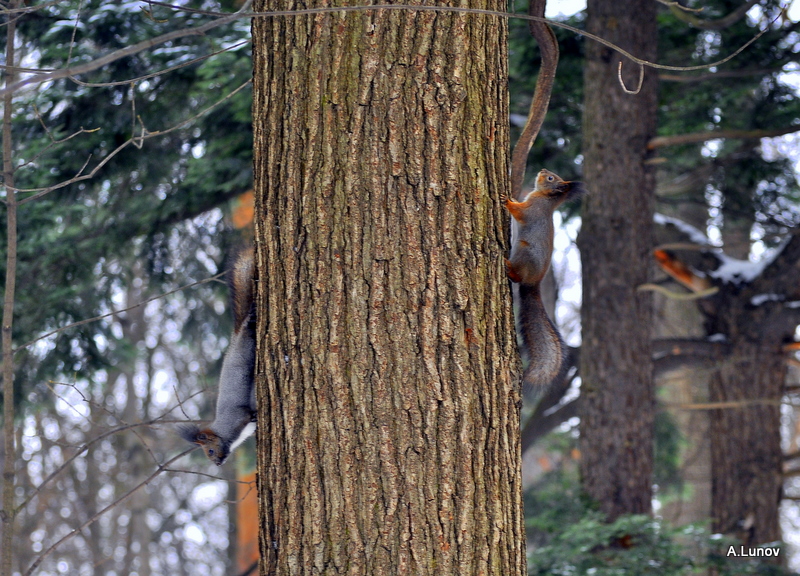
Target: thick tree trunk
<point>746,452</point>
<point>388,438</point>
<point>746,456</point>
<point>615,242</point>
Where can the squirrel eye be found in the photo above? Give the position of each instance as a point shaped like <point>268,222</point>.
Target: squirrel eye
<point>210,451</point>
<point>549,178</point>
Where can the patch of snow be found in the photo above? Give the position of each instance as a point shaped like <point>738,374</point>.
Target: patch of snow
<point>693,233</point>
<point>736,271</point>
<point>760,299</point>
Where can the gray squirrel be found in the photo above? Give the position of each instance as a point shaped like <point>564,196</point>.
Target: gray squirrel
<point>235,419</point>
<point>542,349</point>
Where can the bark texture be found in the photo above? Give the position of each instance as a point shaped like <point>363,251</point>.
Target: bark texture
<point>388,438</point>
<point>615,243</point>
<point>745,326</point>
<point>746,455</point>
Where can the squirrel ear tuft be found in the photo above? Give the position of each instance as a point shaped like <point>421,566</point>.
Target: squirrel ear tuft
<point>189,432</point>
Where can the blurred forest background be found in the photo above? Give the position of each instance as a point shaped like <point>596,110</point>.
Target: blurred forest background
<point>155,151</point>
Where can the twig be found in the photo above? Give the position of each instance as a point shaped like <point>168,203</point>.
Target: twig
<point>127,51</point>
<point>160,72</point>
<point>132,140</point>
<point>622,82</point>
<point>721,74</point>
<point>697,137</point>
<point>96,318</point>
<point>74,32</point>
<point>157,422</point>
<point>680,6</point>
<point>211,476</point>
<point>28,9</point>
<point>682,14</point>
<point>53,141</point>
<point>244,13</point>
<point>97,516</point>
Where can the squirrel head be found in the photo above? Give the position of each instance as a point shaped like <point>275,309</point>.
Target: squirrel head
<point>551,184</point>
<point>213,445</point>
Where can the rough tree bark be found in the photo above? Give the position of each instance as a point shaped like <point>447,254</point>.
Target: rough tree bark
<point>615,241</point>
<point>746,457</point>
<point>746,325</point>
<point>388,438</point>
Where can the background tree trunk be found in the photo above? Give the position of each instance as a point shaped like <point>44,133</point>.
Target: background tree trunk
<point>388,437</point>
<point>615,242</point>
<point>688,500</point>
<point>746,455</point>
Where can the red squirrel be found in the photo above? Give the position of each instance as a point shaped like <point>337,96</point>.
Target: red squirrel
<point>541,347</point>
<point>235,419</point>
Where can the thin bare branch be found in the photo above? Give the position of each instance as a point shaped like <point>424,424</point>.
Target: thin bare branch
<point>697,137</point>
<point>115,312</point>
<point>245,13</point>
<point>53,139</point>
<point>756,72</point>
<point>24,70</point>
<point>74,32</point>
<point>186,9</point>
<point>160,72</point>
<point>28,9</point>
<point>67,402</point>
<point>116,430</point>
<point>97,516</point>
<point>622,82</point>
<point>718,24</point>
<point>679,6</point>
<point>127,51</point>
<point>133,140</point>
<point>528,17</point>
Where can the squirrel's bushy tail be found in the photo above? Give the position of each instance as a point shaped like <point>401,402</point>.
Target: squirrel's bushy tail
<point>541,347</point>
<point>241,287</point>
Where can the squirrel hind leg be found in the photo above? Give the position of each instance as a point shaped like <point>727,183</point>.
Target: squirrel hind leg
<point>511,272</point>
